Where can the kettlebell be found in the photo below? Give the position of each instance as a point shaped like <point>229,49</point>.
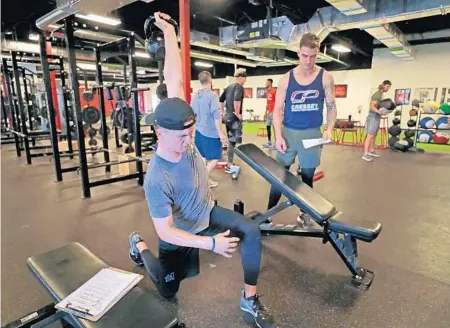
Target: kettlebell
<point>154,39</point>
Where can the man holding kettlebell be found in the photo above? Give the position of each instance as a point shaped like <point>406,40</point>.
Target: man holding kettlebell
<point>181,203</point>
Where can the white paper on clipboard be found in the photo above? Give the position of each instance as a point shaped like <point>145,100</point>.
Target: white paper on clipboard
<point>309,143</point>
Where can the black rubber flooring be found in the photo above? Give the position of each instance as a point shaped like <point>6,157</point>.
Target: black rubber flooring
<point>303,281</point>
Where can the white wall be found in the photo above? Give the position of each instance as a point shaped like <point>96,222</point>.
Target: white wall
<point>430,69</point>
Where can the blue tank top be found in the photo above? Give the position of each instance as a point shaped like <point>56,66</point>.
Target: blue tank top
<point>303,106</point>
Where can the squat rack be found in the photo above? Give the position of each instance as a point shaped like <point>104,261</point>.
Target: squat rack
<point>83,168</point>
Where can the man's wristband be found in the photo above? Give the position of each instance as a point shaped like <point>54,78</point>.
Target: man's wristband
<point>214,243</point>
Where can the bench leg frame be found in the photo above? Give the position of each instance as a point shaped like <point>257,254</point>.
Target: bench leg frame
<point>345,245</point>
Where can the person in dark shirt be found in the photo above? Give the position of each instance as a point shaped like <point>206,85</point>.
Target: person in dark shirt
<point>233,97</point>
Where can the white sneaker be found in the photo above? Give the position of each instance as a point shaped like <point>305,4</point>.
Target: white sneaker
<point>367,158</point>
<point>304,221</point>
<point>373,154</point>
<point>267,145</point>
<point>213,184</point>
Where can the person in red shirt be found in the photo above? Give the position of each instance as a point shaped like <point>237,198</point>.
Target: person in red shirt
<point>268,116</point>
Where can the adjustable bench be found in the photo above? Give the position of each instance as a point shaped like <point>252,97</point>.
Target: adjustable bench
<point>342,235</point>
<point>63,270</point>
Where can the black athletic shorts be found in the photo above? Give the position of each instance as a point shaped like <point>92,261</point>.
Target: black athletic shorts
<point>178,263</point>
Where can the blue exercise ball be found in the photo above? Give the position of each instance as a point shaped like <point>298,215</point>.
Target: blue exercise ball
<point>427,123</point>
<point>442,123</point>
<point>425,136</point>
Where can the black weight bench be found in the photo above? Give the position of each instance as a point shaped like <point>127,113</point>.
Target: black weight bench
<point>341,234</point>
<point>63,270</point>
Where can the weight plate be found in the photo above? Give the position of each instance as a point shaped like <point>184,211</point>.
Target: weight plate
<point>87,96</point>
<point>92,142</point>
<point>108,131</point>
<point>92,132</point>
<point>91,115</point>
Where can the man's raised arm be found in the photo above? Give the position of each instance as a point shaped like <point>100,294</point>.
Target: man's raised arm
<point>172,63</point>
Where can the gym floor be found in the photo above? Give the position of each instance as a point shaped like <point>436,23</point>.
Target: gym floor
<point>303,281</point>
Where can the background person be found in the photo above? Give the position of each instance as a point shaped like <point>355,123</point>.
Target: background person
<point>209,136</point>
<point>233,97</point>
<point>298,114</point>
<point>373,121</point>
<point>268,116</point>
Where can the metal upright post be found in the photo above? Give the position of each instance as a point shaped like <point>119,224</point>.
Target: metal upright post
<point>27,99</point>
<point>51,109</point>
<point>21,109</point>
<point>5,116</point>
<point>66,109</point>
<point>101,102</point>
<point>135,106</point>
<point>15,112</point>
<point>11,103</point>
<point>70,44</point>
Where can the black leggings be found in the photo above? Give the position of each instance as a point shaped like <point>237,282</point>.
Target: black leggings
<point>275,195</point>
<point>221,220</point>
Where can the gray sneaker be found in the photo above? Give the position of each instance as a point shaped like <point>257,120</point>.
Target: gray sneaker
<point>304,221</point>
<point>134,254</point>
<point>367,158</point>
<point>373,154</point>
<point>261,314</point>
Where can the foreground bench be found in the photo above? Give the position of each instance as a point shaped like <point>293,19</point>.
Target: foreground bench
<point>63,270</point>
<point>341,234</point>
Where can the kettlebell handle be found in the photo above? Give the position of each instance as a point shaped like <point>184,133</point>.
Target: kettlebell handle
<point>150,22</point>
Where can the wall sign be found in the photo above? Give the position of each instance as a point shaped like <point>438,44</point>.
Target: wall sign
<point>340,90</point>
<point>402,96</point>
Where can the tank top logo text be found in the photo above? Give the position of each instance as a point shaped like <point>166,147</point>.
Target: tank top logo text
<point>298,99</point>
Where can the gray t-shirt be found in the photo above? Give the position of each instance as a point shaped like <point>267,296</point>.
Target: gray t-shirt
<point>205,104</point>
<point>180,189</point>
<point>377,96</point>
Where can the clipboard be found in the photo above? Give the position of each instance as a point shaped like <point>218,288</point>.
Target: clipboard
<point>99,294</point>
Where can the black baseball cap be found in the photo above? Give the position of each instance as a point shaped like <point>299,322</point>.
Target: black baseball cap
<point>172,114</point>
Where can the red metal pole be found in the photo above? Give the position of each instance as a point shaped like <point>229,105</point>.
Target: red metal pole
<point>55,99</point>
<point>185,29</point>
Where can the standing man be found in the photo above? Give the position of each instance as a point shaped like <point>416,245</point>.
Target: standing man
<point>373,121</point>
<point>298,114</point>
<point>181,203</point>
<point>268,116</point>
<point>208,135</point>
<point>233,96</point>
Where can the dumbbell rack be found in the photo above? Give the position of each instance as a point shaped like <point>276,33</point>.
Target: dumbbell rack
<point>418,128</point>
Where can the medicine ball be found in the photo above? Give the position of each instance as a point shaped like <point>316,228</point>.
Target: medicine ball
<point>392,141</point>
<point>387,103</point>
<point>425,136</point>
<point>445,108</point>
<point>395,130</point>
<point>396,121</point>
<point>409,133</point>
<point>410,142</point>
<point>154,39</point>
<point>413,112</point>
<point>442,123</point>
<point>401,145</point>
<point>441,138</point>
<point>411,123</point>
<point>415,103</point>
<point>427,123</point>
<point>430,107</point>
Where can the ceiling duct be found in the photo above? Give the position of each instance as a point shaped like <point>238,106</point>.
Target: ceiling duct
<point>284,34</point>
<point>65,8</point>
<point>350,7</point>
<point>393,38</point>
